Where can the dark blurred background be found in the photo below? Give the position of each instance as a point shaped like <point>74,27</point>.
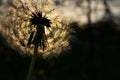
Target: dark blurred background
<point>94,54</point>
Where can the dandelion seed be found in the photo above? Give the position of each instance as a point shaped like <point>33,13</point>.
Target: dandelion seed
<point>31,23</point>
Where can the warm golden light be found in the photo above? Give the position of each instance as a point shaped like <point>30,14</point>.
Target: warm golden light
<point>19,27</point>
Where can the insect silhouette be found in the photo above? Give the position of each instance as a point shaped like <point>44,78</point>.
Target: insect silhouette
<point>40,22</point>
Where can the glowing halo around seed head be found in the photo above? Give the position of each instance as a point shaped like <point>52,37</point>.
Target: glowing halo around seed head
<point>20,26</point>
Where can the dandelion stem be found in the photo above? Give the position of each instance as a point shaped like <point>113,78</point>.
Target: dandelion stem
<point>32,64</point>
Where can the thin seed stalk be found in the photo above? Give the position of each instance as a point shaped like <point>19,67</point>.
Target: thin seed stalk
<point>32,64</point>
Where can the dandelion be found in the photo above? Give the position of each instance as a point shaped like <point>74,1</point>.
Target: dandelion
<point>33,27</point>
<point>33,23</point>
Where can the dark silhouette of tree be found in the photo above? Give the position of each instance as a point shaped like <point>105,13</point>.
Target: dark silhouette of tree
<point>91,55</point>
<point>108,13</point>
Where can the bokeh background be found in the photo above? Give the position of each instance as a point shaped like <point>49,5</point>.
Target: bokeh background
<point>95,45</point>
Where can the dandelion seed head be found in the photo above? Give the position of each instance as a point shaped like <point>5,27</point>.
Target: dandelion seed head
<point>20,20</point>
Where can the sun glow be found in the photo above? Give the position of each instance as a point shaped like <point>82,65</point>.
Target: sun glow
<point>19,27</point>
